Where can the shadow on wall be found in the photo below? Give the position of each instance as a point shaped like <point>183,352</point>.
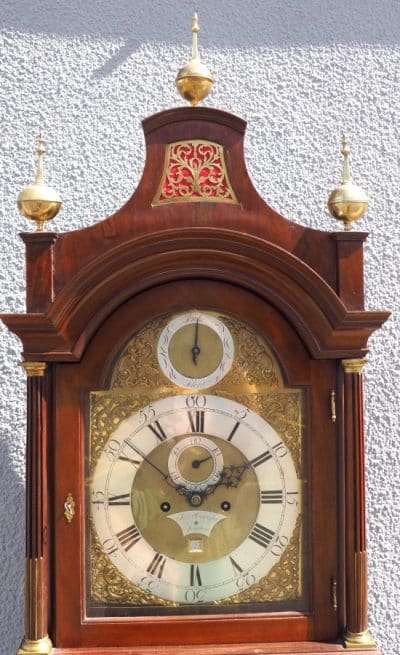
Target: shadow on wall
<point>228,23</point>
<point>12,517</point>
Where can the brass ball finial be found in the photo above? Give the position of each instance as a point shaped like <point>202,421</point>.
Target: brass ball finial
<point>39,202</point>
<point>194,80</point>
<point>347,202</point>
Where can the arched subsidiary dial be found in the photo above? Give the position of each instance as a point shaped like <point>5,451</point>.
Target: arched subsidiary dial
<point>195,350</point>
<point>194,498</point>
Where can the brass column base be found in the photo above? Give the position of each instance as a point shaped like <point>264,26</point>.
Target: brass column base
<point>41,646</point>
<point>359,640</point>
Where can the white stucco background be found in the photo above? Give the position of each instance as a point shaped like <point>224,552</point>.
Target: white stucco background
<point>301,73</point>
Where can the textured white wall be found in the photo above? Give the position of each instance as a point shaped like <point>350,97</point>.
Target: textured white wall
<point>301,73</point>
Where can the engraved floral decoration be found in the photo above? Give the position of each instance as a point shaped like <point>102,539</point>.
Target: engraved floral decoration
<point>195,171</point>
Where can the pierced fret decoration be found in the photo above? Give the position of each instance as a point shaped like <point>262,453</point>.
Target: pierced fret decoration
<point>195,171</point>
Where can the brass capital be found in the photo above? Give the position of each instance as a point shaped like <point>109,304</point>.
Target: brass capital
<point>359,640</point>
<point>354,365</point>
<point>41,646</point>
<point>34,369</point>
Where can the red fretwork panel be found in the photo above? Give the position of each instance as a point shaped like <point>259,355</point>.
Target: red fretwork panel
<point>195,171</point>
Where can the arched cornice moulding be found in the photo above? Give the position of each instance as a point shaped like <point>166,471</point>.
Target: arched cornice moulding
<point>327,328</point>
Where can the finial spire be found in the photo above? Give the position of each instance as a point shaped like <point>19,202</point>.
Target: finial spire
<point>194,80</point>
<point>345,150</point>
<point>40,152</point>
<point>38,201</point>
<point>347,202</point>
<point>195,30</point>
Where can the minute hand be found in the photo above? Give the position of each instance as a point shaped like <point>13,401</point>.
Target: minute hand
<point>146,459</point>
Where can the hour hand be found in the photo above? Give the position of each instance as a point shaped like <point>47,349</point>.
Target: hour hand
<point>196,348</point>
<point>230,476</point>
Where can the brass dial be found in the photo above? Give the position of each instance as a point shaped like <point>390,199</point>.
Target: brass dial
<point>195,497</point>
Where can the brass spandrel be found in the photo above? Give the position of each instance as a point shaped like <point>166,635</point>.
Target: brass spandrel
<point>282,583</point>
<point>109,586</point>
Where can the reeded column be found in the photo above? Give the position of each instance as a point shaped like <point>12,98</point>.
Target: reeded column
<point>36,585</point>
<point>356,634</point>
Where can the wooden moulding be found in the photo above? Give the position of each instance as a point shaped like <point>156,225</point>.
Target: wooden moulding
<point>311,305</point>
<point>299,648</point>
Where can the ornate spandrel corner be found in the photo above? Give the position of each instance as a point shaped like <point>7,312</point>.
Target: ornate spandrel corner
<point>194,171</point>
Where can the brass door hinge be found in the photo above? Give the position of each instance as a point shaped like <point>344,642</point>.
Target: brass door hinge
<point>334,600</point>
<point>333,406</point>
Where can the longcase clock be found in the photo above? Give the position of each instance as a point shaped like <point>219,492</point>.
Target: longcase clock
<point>195,434</point>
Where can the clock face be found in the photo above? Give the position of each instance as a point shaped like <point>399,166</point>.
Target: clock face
<point>194,498</point>
<point>195,350</point>
<point>196,473</point>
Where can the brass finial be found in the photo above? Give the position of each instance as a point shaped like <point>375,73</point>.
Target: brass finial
<point>194,80</point>
<point>347,202</point>
<point>38,201</point>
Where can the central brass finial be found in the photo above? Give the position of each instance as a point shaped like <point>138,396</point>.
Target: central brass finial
<point>194,80</point>
<point>347,202</point>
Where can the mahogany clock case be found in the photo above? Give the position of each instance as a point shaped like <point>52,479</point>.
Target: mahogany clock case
<point>89,292</point>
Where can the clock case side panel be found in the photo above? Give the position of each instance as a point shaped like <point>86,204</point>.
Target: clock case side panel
<point>73,381</point>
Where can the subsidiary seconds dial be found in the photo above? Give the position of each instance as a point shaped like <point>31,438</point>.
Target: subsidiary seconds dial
<point>195,350</point>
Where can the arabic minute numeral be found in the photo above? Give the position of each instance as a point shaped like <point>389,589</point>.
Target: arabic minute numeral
<point>280,545</point>
<point>97,498</point>
<point>280,449</point>
<point>292,498</point>
<point>196,401</point>
<point>245,581</point>
<point>147,414</point>
<point>109,547</point>
<point>113,447</point>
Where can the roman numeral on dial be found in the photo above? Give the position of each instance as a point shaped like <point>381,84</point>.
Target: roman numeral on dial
<point>272,497</point>
<point>157,430</point>
<point>135,462</point>
<point>156,566</point>
<point>236,568</point>
<point>195,578</point>
<point>129,537</point>
<point>123,499</point>
<point>260,459</point>
<point>233,431</point>
<point>261,535</point>
<point>196,420</point>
